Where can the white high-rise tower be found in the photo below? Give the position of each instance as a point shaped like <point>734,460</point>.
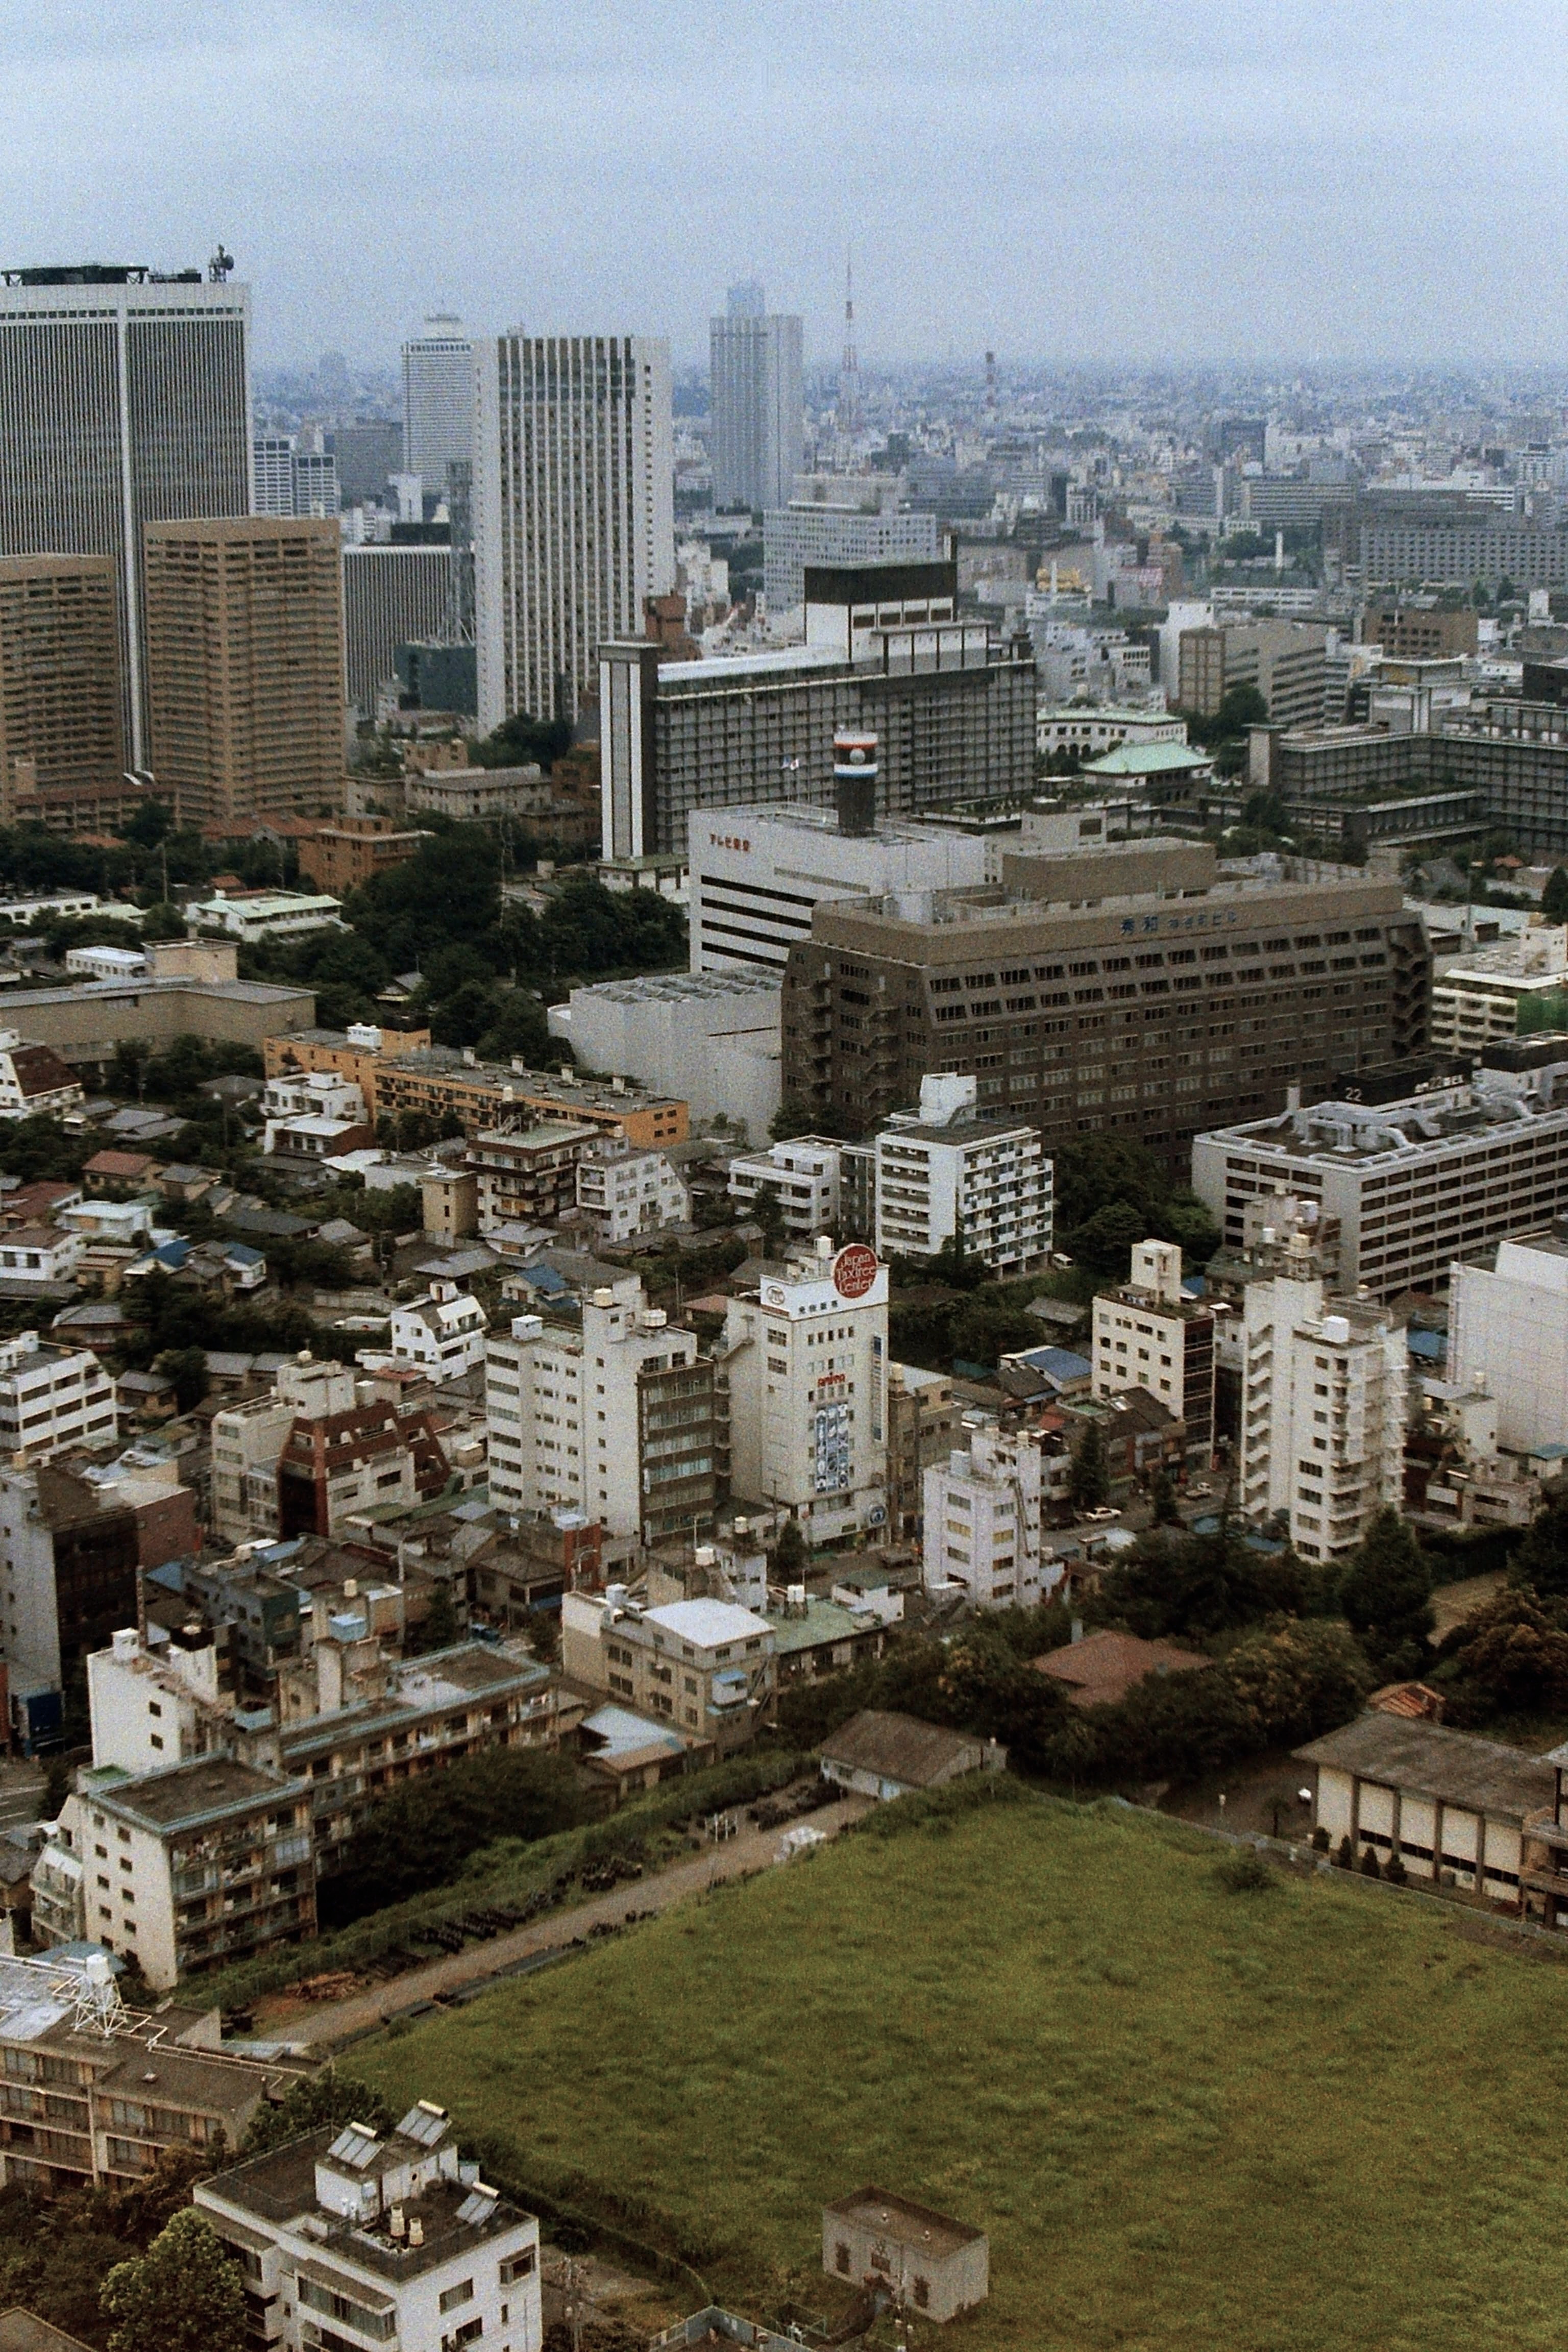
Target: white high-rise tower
<point>574,511</point>
<point>755,387</point>
<point>438,400</point>
<point>124,400</point>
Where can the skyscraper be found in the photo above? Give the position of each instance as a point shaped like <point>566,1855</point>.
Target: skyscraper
<point>755,373</point>
<point>438,400</point>
<point>244,667</point>
<point>574,511</point>
<point>124,401</point>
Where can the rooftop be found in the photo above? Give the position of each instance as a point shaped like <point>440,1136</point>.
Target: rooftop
<point>685,987</point>
<point>900,1748</point>
<point>905,2222</point>
<point>707,1624</point>
<point>1348,1134</point>
<point>191,1793</point>
<point>1424,1759</point>
<point>1102,1668</point>
<point>1149,760</point>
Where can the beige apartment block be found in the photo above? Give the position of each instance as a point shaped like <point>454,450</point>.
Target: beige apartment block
<point>61,732</point>
<point>244,667</point>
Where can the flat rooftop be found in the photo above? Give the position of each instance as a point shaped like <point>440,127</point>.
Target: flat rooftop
<point>280,2188</point>
<point>189,1793</point>
<point>938,2234</point>
<point>685,987</point>
<point>1350,1135</point>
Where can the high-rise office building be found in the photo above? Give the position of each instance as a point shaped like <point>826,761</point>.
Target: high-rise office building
<point>244,667</point>
<point>61,739</point>
<point>292,479</point>
<point>124,401</point>
<point>574,511</point>
<point>392,596</point>
<point>755,389</point>
<point>438,400</point>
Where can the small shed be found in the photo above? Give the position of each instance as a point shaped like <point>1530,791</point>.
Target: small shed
<point>924,2260</point>
<point>883,1755</point>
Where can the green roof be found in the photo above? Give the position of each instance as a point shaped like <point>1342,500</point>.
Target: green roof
<point>824,1621</point>
<point>1147,759</point>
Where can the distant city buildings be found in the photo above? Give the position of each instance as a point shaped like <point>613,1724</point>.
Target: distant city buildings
<point>755,394</point>
<point>437,401</point>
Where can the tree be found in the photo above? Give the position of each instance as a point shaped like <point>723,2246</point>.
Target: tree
<point>1512,1654</point>
<point>1541,1563</point>
<point>1163,1499</point>
<point>311,2101</point>
<point>1091,1479</point>
<point>791,1553</point>
<point>183,2295</point>
<point>1554,897</point>
<point>421,1833</point>
<point>1297,1680</point>
<point>767,1212</point>
<point>1386,1597</point>
<point>187,1368</point>
<point>441,1628</point>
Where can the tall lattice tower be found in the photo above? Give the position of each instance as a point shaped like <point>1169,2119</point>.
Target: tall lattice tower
<point>850,373</point>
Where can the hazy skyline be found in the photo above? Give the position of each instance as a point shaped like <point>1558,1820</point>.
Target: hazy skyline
<point>1063,182</point>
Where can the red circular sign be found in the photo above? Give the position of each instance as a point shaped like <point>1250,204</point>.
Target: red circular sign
<point>854,1270</point>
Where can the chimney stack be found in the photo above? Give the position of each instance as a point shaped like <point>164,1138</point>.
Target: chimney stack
<point>854,780</point>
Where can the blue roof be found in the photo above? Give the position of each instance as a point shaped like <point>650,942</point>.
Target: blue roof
<point>544,1278</point>
<point>172,1253</point>
<point>239,1255</point>
<point>1428,1343</point>
<point>1057,1363</point>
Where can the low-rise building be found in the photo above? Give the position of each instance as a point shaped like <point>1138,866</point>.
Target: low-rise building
<point>51,1398</point>
<point>708,1038</point>
<point>33,1079</point>
<point>922,1420</point>
<point>350,851</point>
<point>1514,988</point>
<point>1101,1669</point>
<point>885,1756</point>
<point>441,1083</point>
<point>395,2238</point>
<point>314,1116</point>
<point>443,1333</point>
<point>943,1176</point>
<point>106,962</point>
<point>983,1521</point>
<point>1150,1334</point>
<point>926,2261</point>
<point>1448,1805</point>
<point>38,1253</point>
<point>705,1666</point>
<point>803,1176</point>
<point>252,915</point>
<point>92,2093</point>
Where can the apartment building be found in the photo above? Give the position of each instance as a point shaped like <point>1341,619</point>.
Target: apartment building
<point>442,1083</point>
<point>1420,632</point>
<point>1458,551</point>
<point>1285,660</point>
<point>1413,1184</point>
<point>244,667</point>
<point>1322,1413</point>
<point>204,1862</point>
<point>61,723</point>
<point>942,1175</point>
<point>805,1359</point>
<point>623,1192</point>
<point>616,1417</point>
<point>801,1175</point>
<point>441,1334</point>
<point>1136,989</point>
<point>33,1079</point>
<point>922,1420</point>
<point>1148,1334</point>
<point>345,1458</point>
<point>395,2239</point>
<point>706,1667</point>
<point>1507,1335</point>
<point>350,851</point>
<point>92,2093</point>
<point>983,1528</point>
<point>53,1397</point>
<point>527,1175</point>
<point>252,916</point>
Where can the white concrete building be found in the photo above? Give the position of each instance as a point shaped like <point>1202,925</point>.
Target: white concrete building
<point>437,401</point>
<point>1414,1184</point>
<point>154,1704</point>
<point>757,873</point>
<point>1518,984</point>
<point>755,379</point>
<point>708,1039</point>
<point>247,1440</point>
<point>395,2240</point>
<point>1149,1335</point>
<point>1091,728</point>
<point>574,511</point>
<point>40,1254</point>
<point>605,1419</point>
<point>624,1192</point>
<point>940,1173</point>
<point>1322,1413</point>
<point>309,1114</point>
<point>442,1334</point>
<point>807,1361</point>
<point>803,1176</point>
<point>252,915</point>
<point>1508,1333</point>
<point>53,1397</point>
<point>1447,1804</point>
<point>983,1521</point>
<point>854,531</point>
<point>106,963</point>
<point>33,1079</point>
<point>705,1666</point>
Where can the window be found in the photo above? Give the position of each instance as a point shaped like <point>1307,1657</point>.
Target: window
<point>517,2266</point>
<point>841,2259</point>
<point>454,2296</point>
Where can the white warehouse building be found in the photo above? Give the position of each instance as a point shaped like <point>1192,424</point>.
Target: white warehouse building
<point>708,1039</point>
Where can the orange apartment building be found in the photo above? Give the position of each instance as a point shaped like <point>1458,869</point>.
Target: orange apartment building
<point>350,851</point>
<point>404,1071</point>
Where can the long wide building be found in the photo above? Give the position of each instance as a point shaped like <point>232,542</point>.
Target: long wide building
<point>1501,764</point>
<point>1134,990</point>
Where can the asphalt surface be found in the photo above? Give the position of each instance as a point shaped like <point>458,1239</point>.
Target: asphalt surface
<point>323,2024</point>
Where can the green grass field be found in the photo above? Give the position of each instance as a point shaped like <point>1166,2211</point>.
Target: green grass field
<point>1316,2116</point>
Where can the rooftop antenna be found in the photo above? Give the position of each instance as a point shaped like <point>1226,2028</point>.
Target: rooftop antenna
<point>850,373</point>
<point>991,386</point>
<point>220,265</point>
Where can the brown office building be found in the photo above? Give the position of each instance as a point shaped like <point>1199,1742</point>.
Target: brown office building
<point>1145,991</point>
<point>61,738</point>
<point>1419,633</point>
<point>245,667</point>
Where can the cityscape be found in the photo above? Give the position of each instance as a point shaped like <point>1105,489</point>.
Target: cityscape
<point>783,1190</point>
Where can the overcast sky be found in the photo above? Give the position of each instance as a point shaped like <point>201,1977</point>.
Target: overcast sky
<point>1064,179</point>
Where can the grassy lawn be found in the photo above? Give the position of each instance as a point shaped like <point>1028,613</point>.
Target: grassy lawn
<point>1318,2116</point>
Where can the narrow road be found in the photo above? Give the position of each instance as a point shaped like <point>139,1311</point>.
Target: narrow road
<point>322,2023</point>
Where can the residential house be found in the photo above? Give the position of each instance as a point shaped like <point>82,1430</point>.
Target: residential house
<point>705,1666</point>
<point>883,1755</point>
<point>442,1333</point>
<point>1099,1669</point>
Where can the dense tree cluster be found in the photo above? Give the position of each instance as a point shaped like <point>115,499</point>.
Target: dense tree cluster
<point>423,1832</point>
